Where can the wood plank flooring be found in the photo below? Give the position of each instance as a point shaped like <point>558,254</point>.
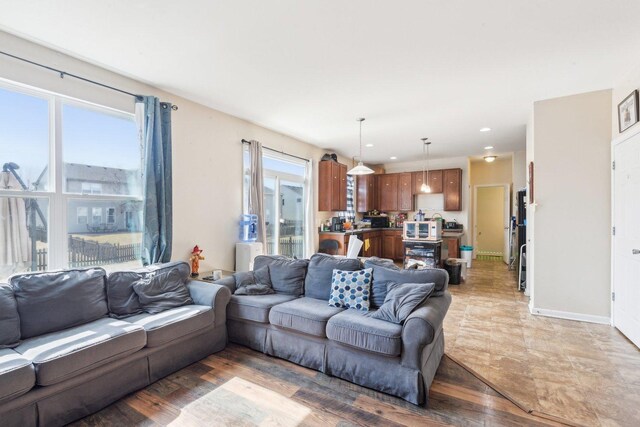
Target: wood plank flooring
<point>241,387</point>
<point>582,372</point>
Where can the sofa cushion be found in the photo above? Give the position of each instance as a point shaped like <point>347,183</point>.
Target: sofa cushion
<point>9,319</point>
<point>254,307</point>
<point>122,299</point>
<point>351,289</point>
<point>354,328</point>
<point>56,300</point>
<point>401,300</point>
<point>60,355</point>
<point>383,276</point>
<point>256,282</point>
<point>317,283</point>
<point>174,323</point>
<point>16,375</point>
<point>307,315</point>
<point>287,274</point>
<point>161,291</point>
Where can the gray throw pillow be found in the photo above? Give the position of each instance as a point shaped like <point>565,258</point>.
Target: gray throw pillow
<point>9,319</point>
<point>401,300</point>
<point>160,292</point>
<point>383,276</point>
<point>317,283</point>
<point>122,299</point>
<point>56,300</point>
<point>255,282</point>
<point>287,274</point>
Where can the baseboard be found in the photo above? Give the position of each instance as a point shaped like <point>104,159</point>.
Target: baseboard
<point>604,320</point>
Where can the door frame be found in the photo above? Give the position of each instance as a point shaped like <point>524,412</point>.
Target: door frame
<point>614,143</point>
<point>506,211</point>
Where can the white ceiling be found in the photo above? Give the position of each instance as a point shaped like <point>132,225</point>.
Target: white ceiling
<point>441,69</point>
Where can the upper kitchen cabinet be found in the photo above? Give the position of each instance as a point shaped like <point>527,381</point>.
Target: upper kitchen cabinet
<point>366,193</point>
<point>332,186</point>
<point>435,181</point>
<point>405,191</point>
<point>452,186</point>
<point>388,192</point>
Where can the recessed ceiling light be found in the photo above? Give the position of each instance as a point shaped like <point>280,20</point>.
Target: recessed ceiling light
<point>488,147</point>
<point>368,145</point>
<point>490,159</point>
<point>485,129</point>
<point>393,157</point>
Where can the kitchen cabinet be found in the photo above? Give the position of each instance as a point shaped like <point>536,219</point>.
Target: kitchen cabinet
<point>388,244</point>
<point>399,246</point>
<point>452,246</point>
<point>332,186</point>
<point>434,179</point>
<point>388,192</point>
<point>452,188</point>
<point>372,243</point>
<point>405,192</point>
<point>392,244</point>
<point>366,193</point>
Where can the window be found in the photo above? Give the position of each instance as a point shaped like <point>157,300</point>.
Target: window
<point>285,189</point>
<point>111,216</point>
<point>82,215</point>
<point>90,187</point>
<point>91,164</point>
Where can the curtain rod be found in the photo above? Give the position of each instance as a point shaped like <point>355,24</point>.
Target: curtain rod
<point>84,79</point>
<point>244,141</point>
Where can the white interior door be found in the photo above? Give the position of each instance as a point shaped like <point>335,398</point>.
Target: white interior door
<point>626,241</point>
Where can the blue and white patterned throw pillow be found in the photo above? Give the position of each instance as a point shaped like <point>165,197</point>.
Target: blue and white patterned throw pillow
<point>351,289</point>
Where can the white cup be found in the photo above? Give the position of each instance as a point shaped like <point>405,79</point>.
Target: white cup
<point>217,274</point>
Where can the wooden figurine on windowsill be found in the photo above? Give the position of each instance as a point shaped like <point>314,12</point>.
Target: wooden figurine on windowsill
<point>195,258</point>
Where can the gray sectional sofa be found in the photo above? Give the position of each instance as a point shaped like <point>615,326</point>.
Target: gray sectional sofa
<point>296,323</point>
<point>74,341</point>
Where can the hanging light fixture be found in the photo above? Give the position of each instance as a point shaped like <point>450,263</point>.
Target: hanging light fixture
<point>425,187</point>
<point>490,159</point>
<point>360,169</point>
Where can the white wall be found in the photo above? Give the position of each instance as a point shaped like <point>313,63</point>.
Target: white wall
<point>571,143</point>
<point>530,256</point>
<point>207,156</point>
<point>432,203</point>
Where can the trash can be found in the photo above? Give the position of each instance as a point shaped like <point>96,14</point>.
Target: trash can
<point>463,269</point>
<point>467,254</point>
<point>453,267</point>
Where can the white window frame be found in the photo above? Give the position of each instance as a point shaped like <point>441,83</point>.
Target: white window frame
<point>58,198</point>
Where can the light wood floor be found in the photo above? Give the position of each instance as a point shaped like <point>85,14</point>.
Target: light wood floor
<point>241,387</point>
<point>586,373</point>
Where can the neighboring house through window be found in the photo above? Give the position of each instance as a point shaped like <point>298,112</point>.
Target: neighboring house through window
<point>95,154</point>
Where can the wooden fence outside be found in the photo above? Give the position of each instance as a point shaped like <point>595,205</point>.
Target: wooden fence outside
<point>288,246</point>
<point>87,253</point>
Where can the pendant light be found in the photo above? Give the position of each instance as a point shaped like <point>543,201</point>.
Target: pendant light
<point>425,187</point>
<point>360,169</point>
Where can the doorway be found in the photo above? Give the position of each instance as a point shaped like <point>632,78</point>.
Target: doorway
<point>626,237</point>
<point>491,222</point>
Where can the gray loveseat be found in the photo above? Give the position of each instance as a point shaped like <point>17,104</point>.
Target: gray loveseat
<point>74,341</point>
<point>296,323</point>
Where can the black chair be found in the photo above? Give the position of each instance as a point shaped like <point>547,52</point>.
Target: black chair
<point>329,247</point>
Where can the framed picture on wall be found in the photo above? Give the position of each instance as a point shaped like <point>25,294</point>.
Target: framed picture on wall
<point>628,112</point>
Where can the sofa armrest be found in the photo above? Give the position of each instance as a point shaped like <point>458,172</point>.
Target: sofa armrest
<point>228,282</point>
<point>420,328</point>
<point>213,295</point>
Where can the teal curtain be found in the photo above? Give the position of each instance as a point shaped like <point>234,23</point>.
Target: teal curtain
<point>158,208</point>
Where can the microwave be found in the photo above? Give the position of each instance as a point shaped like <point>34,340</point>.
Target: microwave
<point>377,221</point>
<point>422,230</point>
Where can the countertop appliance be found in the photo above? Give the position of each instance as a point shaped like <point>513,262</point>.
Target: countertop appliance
<point>377,221</point>
<point>337,223</point>
<point>422,230</point>
<point>452,225</point>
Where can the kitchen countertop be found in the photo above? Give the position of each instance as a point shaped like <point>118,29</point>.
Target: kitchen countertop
<point>452,233</point>
<point>362,230</point>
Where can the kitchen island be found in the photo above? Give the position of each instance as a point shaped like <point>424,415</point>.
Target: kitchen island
<point>380,242</point>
